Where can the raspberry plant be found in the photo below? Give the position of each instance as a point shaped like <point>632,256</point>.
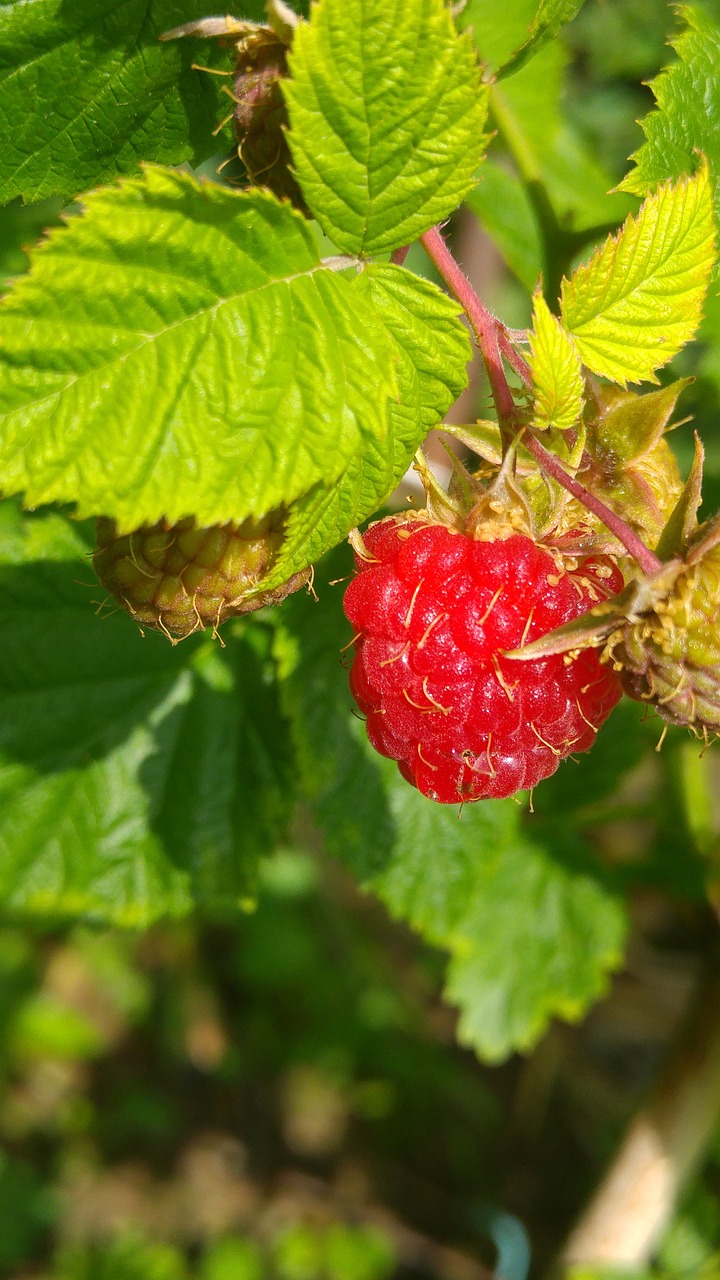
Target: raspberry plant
<point>231,373</point>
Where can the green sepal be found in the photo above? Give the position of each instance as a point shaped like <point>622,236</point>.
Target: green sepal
<point>682,522</point>
<point>626,425</point>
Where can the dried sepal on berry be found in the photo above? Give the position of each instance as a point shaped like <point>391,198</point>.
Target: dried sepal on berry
<point>179,578</point>
<point>668,652</point>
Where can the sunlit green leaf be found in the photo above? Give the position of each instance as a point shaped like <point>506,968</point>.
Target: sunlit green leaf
<point>181,350</point>
<point>638,300</point>
<point>556,371</point>
<point>387,115</point>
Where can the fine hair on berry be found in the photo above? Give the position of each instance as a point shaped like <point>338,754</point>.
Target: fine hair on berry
<point>434,612</point>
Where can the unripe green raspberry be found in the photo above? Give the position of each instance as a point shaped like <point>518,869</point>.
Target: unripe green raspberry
<point>179,579</point>
<point>669,655</point>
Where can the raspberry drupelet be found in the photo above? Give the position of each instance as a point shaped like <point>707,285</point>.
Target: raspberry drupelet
<point>434,611</point>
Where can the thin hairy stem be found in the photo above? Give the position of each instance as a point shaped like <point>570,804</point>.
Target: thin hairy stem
<point>634,545</point>
<point>483,323</point>
<point>398,256</point>
<point>513,357</point>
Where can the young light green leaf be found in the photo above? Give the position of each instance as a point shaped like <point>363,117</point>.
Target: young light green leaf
<point>431,354</point>
<point>137,781</point>
<point>550,17</point>
<point>639,299</point>
<point>181,350</point>
<point>687,118</point>
<point>387,115</point>
<point>87,92</point>
<point>556,371</point>
<point>477,886</point>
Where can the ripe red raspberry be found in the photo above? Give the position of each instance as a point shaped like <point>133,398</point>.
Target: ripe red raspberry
<point>434,611</point>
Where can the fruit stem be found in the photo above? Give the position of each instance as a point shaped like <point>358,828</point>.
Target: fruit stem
<point>648,561</point>
<point>398,256</point>
<point>484,325</point>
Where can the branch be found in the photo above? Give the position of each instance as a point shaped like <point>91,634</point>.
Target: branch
<point>634,1204</point>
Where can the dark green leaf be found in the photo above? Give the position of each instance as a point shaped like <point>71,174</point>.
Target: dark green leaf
<point>686,120</point>
<point>137,780</point>
<point>87,92</point>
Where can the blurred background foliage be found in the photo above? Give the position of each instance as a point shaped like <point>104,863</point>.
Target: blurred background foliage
<point>283,1098</point>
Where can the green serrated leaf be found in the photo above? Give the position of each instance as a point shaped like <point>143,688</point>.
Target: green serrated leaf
<point>181,350</point>
<point>638,300</point>
<point>556,371</point>
<point>136,780</point>
<point>387,115</point>
<point>686,120</point>
<point>530,934</point>
<point>431,353</point>
<point>87,92</point>
<point>550,17</point>
<point>511,977</point>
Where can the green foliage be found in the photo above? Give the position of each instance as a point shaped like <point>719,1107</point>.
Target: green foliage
<point>387,117</point>
<point>686,121</point>
<point>430,352</point>
<point>550,17</point>
<point>87,92</point>
<point>506,212</point>
<point>168,284</point>
<point>181,348</point>
<point>458,881</point>
<point>125,1259</point>
<point>638,300</point>
<point>562,180</point>
<point>178,282</point>
<point>137,780</point>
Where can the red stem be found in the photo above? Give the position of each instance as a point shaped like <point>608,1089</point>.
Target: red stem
<point>514,358</point>
<point>482,321</point>
<point>398,256</point>
<point>490,335</point>
<point>634,545</point>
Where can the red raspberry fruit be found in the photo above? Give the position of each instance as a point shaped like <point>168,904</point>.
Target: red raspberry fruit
<point>434,611</point>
